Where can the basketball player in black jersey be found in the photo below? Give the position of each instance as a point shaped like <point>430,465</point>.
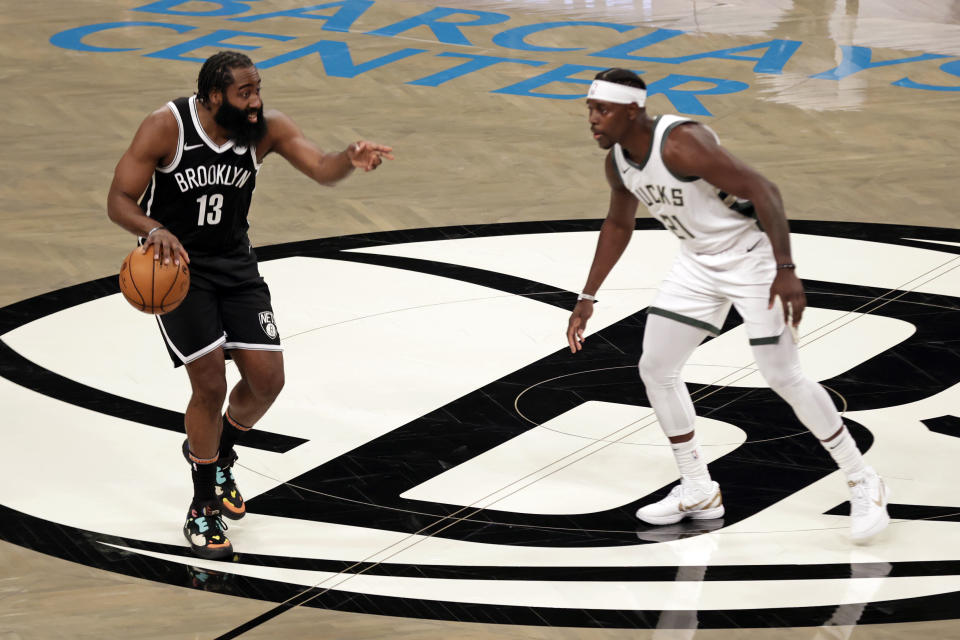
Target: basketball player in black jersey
<point>193,164</point>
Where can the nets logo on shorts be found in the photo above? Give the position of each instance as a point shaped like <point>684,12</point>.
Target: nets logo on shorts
<point>268,324</point>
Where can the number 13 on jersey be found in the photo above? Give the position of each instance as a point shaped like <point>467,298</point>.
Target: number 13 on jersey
<point>212,214</point>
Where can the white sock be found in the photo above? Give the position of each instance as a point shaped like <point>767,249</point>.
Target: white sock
<point>845,453</point>
<point>693,467</point>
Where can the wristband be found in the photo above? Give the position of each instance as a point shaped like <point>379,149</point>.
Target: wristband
<point>585,296</point>
<point>786,265</point>
<point>149,233</point>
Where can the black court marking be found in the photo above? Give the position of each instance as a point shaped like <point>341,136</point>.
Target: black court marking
<point>485,418</point>
<point>490,279</point>
<point>947,425</point>
<point>908,512</point>
<point>17,369</point>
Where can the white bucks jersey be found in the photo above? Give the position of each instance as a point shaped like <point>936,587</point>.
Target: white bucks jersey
<point>706,219</point>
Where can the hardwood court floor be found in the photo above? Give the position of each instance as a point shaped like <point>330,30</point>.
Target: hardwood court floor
<point>859,143</point>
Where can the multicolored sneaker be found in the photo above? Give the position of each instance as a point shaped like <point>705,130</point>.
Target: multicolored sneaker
<point>204,531</point>
<point>228,495</point>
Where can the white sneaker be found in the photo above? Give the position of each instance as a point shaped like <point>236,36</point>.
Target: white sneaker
<point>684,502</point>
<point>868,505</point>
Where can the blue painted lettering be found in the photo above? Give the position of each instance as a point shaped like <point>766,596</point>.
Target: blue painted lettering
<point>623,51</point>
<point>227,7</point>
<point>341,20</point>
<point>336,58</point>
<point>474,62</point>
<point>776,54</point>
<point>560,74</point>
<point>444,31</point>
<point>952,67</point>
<point>516,38</point>
<point>214,39</point>
<point>73,38</point>
<point>856,59</point>
<point>684,100</point>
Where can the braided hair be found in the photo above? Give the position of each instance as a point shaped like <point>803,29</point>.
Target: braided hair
<point>621,76</point>
<point>215,73</point>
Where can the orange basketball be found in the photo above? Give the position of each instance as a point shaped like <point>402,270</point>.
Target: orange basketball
<point>151,286</point>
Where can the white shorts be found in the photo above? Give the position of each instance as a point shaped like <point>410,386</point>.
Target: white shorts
<point>700,289</point>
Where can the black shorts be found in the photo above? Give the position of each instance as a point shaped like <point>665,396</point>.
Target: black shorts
<point>228,306</point>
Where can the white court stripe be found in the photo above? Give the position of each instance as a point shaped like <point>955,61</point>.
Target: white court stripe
<point>612,595</point>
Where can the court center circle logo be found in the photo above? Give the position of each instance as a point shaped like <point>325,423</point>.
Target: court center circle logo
<point>439,453</point>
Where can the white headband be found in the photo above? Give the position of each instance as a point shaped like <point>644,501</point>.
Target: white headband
<point>619,93</point>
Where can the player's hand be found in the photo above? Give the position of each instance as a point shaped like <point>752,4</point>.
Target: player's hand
<point>578,323</point>
<point>788,286</point>
<point>165,246</point>
<point>368,155</point>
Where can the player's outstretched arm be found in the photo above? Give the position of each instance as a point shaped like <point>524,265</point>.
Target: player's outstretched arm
<point>615,234</point>
<point>154,143</point>
<point>693,150</point>
<point>285,138</point>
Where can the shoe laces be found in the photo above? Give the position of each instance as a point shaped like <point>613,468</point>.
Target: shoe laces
<point>225,475</point>
<point>225,469</point>
<point>692,492</point>
<point>859,498</point>
<point>676,494</point>
<point>213,521</point>
<point>218,521</point>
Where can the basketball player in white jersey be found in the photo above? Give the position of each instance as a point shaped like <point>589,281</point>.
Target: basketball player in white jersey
<point>708,198</point>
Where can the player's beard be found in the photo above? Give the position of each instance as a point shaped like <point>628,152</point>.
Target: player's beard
<point>243,132</point>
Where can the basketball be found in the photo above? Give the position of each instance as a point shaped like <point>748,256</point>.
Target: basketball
<point>151,286</point>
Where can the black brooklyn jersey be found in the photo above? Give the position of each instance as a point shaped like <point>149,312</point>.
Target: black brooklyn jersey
<point>203,195</point>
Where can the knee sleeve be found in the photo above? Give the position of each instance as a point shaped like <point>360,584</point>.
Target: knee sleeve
<point>667,345</point>
<point>780,366</point>
<point>656,373</point>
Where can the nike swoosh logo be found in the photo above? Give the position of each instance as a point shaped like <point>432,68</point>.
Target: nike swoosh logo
<point>691,507</point>
<point>710,500</point>
<point>192,146</point>
<point>880,494</point>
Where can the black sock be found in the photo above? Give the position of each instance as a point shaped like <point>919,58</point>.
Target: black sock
<point>204,472</point>
<point>232,431</point>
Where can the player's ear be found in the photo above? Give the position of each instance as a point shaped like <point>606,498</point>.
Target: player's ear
<point>216,97</point>
<point>633,110</point>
